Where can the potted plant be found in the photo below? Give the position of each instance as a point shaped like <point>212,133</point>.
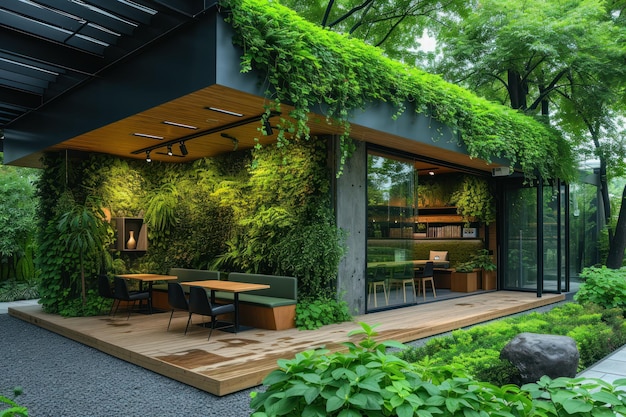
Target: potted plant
<point>464,277</point>
<point>483,261</point>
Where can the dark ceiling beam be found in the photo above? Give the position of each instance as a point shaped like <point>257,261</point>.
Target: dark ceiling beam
<point>189,8</point>
<point>49,53</point>
<point>20,98</point>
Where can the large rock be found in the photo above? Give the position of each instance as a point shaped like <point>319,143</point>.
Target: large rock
<point>535,355</point>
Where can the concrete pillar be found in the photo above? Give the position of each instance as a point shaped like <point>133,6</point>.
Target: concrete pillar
<point>351,211</point>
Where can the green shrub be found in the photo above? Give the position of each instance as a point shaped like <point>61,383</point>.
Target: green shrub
<point>603,286</point>
<point>368,381</point>
<point>597,333</point>
<point>13,290</point>
<point>314,313</point>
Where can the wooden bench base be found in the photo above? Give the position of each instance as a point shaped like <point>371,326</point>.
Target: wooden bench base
<point>277,318</point>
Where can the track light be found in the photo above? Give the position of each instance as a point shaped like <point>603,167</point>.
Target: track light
<point>169,150</point>
<point>148,159</point>
<point>183,149</point>
<point>267,126</point>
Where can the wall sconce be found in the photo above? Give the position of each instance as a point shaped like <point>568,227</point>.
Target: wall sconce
<point>148,159</point>
<point>169,150</point>
<point>183,149</point>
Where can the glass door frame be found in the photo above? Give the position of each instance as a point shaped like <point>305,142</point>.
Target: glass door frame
<point>507,185</point>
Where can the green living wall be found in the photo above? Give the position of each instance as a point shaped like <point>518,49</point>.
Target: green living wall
<point>265,211</point>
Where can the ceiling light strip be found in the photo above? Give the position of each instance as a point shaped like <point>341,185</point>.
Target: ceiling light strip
<point>217,109</point>
<point>167,122</point>
<point>205,132</point>
<point>145,135</point>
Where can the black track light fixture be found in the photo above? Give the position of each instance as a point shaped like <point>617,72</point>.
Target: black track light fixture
<point>169,150</point>
<point>183,149</point>
<point>148,159</point>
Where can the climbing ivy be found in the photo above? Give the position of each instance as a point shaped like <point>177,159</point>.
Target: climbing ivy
<point>474,200</point>
<point>304,65</point>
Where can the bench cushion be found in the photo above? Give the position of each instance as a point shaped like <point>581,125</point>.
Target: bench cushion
<point>280,286</point>
<point>185,274</point>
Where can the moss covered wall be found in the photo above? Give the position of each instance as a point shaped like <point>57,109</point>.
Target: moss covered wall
<point>266,211</point>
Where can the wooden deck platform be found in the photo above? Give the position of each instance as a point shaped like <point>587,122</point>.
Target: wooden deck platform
<point>232,362</point>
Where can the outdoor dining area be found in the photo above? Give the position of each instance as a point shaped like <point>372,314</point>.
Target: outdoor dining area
<point>231,362</point>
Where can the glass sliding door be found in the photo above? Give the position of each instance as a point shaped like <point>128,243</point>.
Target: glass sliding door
<point>519,262</point>
<point>534,245</point>
<point>391,212</point>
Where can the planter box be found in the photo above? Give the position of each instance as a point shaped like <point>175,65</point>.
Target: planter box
<point>489,280</point>
<point>464,281</point>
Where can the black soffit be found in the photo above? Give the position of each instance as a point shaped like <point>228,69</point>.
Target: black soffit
<point>47,47</point>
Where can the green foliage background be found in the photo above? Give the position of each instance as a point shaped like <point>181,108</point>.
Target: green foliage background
<point>305,65</point>
<point>17,222</point>
<point>265,211</point>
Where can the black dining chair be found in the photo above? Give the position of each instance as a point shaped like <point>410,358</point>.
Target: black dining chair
<point>176,299</point>
<point>199,304</point>
<point>122,294</point>
<point>424,276</point>
<point>105,291</point>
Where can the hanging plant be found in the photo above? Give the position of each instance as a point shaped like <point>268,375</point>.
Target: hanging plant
<point>474,200</point>
<point>304,66</point>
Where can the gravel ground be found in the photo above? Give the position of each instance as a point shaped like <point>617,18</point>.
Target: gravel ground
<point>62,378</point>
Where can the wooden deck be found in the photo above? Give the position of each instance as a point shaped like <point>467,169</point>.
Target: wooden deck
<point>232,362</point>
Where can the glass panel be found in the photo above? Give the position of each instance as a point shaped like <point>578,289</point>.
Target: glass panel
<point>551,215</point>
<point>391,187</point>
<point>583,241</point>
<point>520,245</point>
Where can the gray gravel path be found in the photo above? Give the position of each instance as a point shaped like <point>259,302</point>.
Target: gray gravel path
<point>62,378</point>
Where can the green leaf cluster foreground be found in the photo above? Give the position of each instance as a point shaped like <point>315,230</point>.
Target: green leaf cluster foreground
<point>305,66</point>
<point>9,408</point>
<point>368,381</point>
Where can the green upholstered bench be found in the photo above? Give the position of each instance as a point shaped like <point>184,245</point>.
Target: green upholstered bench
<point>272,308</point>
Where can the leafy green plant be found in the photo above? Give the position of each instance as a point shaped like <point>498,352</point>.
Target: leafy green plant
<point>13,290</point>
<point>578,397</point>
<point>364,379</point>
<point>474,200</point>
<point>17,222</point>
<point>305,65</point>
<point>479,260</point>
<point>597,333</point>
<point>314,313</point>
<point>13,410</point>
<point>603,286</point>
<point>84,232</point>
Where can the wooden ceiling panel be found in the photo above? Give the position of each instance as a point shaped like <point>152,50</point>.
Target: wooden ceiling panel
<point>118,138</point>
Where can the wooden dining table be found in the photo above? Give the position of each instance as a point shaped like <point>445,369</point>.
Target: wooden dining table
<point>235,287</point>
<point>150,279</point>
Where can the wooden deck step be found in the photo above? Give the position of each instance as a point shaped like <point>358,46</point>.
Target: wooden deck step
<point>233,362</point>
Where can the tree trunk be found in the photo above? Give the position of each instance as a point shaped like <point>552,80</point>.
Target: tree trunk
<point>517,93</point>
<point>618,243</point>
